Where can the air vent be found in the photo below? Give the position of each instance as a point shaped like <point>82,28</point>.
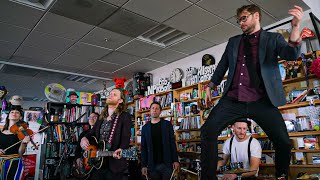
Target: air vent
<point>163,36</point>
<point>37,4</point>
<point>81,79</point>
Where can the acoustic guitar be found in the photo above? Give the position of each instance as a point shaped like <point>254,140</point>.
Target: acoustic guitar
<point>94,157</point>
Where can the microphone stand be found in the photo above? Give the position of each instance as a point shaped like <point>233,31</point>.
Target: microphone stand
<point>65,153</point>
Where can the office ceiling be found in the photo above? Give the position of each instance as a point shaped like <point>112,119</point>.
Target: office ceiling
<point>108,38</point>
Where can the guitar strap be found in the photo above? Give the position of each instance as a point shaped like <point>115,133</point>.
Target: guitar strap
<point>111,134</point>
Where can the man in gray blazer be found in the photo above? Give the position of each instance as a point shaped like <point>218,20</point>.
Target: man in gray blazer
<point>254,87</point>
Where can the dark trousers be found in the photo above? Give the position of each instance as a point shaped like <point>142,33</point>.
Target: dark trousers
<point>161,172</point>
<point>105,174</point>
<point>227,112</point>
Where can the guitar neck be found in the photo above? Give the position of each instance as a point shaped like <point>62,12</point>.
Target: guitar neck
<point>105,153</point>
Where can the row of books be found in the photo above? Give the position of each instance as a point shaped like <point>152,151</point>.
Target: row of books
<point>145,102</point>
<point>59,133</point>
<point>72,114</point>
<point>185,109</point>
<point>189,122</point>
<point>54,150</point>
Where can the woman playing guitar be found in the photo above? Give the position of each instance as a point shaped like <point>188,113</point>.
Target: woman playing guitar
<point>10,158</point>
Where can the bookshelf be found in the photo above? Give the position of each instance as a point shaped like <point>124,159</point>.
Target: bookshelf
<point>62,120</point>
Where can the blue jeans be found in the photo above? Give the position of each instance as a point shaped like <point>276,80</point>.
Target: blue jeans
<point>161,171</point>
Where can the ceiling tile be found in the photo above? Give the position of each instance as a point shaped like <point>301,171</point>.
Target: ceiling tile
<point>120,58</point>
<point>7,49</point>
<point>265,20</point>
<point>12,33</point>
<point>191,45</point>
<point>90,12</point>
<point>63,27</point>
<point>220,33</point>
<point>98,37</point>
<point>193,20</point>
<point>36,54</point>
<point>48,42</point>
<point>19,15</point>
<point>224,9</point>
<point>193,1</point>
<point>88,51</point>
<point>167,55</point>
<point>279,9</point>
<point>157,10</point>
<point>143,65</point>
<point>29,61</point>
<point>116,2</point>
<point>50,76</point>
<point>63,67</point>
<point>72,84</point>
<point>94,87</point>
<point>73,61</point>
<point>104,66</point>
<point>95,73</point>
<point>139,48</point>
<point>127,23</point>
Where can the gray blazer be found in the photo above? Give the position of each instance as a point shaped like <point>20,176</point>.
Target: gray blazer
<point>271,45</point>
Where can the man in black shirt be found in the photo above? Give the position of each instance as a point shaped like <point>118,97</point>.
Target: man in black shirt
<point>158,147</point>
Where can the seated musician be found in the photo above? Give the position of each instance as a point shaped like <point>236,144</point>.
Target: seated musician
<point>243,148</point>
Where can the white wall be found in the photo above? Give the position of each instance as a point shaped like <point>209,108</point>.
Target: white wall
<point>217,51</point>
<point>28,104</point>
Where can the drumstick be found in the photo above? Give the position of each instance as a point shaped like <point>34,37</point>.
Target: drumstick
<point>146,177</point>
<point>189,171</point>
<point>172,174</point>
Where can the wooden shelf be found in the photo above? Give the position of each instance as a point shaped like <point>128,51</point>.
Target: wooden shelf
<point>188,140</point>
<point>166,116</point>
<point>187,130</point>
<point>161,93</point>
<point>188,116</point>
<point>186,87</point>
<point>297,105</point>
<point>298,79</point>
<point>147,110</point>
<point>191,100</point>
<point>294,165</point>
<point>292,134</point>
<point>166,108</point>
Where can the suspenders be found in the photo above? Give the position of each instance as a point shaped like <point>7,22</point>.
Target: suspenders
<point>249,152</point>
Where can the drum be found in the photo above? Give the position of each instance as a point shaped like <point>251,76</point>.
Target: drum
<point>236,165</point>
<point>11,167</point>
<point>224,168</point>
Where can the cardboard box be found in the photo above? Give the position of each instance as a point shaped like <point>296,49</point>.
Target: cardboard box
<point>310,158</point>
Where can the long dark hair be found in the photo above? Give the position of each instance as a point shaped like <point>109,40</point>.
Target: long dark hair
<point>122,107</point>
<point>6,125</point>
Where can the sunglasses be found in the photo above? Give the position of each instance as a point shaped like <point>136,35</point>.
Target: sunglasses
<point>243,18</point>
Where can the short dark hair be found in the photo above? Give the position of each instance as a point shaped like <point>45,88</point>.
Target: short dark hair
<point>252,8</point>
<point>245,120</point>
<point>156,102</point>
